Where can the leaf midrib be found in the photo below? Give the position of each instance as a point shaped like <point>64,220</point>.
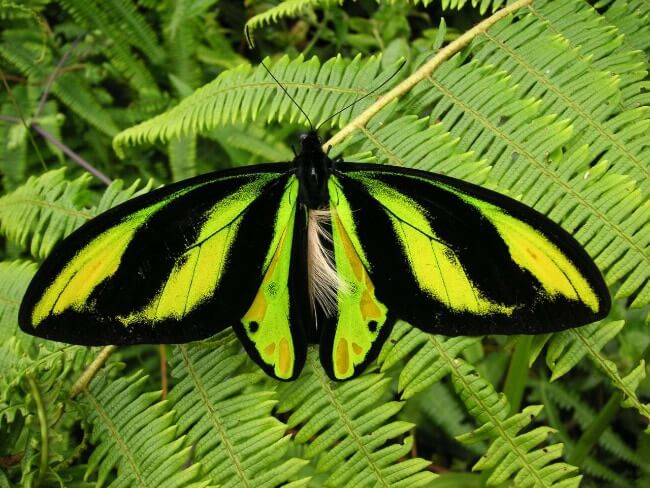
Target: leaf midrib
<point>346,421</point>
<point>216,420</point>
<point>486,410</point>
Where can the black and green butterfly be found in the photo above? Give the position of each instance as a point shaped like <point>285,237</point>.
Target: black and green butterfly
<point>317,251</point>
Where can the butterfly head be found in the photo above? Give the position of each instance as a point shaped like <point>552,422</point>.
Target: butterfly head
<point>313,168</point>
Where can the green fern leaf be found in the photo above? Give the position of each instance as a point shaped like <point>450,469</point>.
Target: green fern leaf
<point>631,18</point>
<point>118,23</point>
<point>565,349</point>
<point>349,431</point>
<point>14,278</point>
<point>47,208</point>
<point>287,8</point>
<point>243,94</point>
<point>294,8</point>
<point>626,385</point>
<point>511,455</point>
<point>135,433</point>
<point>584,414</point>
<point>69,87</point>
<point>428,364</point>
<point>227,417</point>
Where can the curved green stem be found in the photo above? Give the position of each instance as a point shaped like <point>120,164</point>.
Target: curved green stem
<point>42,421</point>
<point>518,373</point>
<point>598,425</point>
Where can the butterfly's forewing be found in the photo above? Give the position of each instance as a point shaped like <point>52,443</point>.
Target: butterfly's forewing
<point>178,264</point>
<point>456,259</point>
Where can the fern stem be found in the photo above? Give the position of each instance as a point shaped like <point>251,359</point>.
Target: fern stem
<point>216,419</point>
<point>590,436</point>
<point>345,420</point>
<point>423,72</point>
<point>42,421</point>
<point>518,373</point>
<point>72,155</point>
<point>493,419</point>
<point>91,370</point>
<point>609,368</point>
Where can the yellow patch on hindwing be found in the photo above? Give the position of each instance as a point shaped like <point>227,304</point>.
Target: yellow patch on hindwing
<point>361,314</point>
<point>267,321</point>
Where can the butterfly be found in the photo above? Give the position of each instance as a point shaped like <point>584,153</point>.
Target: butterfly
<point>314,251</point>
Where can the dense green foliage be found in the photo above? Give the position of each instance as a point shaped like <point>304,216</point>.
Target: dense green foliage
<point>550,105</point>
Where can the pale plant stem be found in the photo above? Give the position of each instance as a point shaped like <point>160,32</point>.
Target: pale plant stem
<point>423,72</point>
<point>42,422</point>
<point>91,370</point>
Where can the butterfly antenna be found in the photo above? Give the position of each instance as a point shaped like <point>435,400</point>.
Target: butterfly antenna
<point>374,90</point>
<point>250,42</point>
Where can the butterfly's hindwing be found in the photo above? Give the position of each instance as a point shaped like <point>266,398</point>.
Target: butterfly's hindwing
<point>352,338</point>
<point>456,259</point>
<point>267,329</point>
<point>176,265</point>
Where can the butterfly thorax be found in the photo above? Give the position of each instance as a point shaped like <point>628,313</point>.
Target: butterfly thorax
<point>313,168</point>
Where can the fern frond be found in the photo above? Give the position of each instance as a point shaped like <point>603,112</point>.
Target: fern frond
<point>589,464</point>
<point>135,433</point>
<point>294,8</point>
<point>443,409</point>
<point>627,385</point>
<point>227,417</point>
<point>47,208</point>
<point>566,349</point>
<point>596,41</point>
<point>286,8</point>
<point>124,16</point>
<point>427,364</point>
<point>571,87</point>
<point>118,37</point>
<point>632,18</point>
<point>14,278</point>
<point>349,429</point>
<point>69,87</point>
<point>246,93</point>
<point>584,414</point>
<point>511,455</point>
